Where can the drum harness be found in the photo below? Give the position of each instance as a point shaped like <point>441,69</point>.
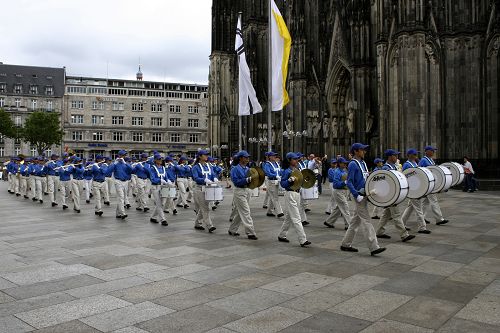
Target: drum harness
<point>364,171</point>
<point>161,175</point>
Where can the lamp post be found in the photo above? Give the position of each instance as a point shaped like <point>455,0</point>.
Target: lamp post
<point>291,134</point>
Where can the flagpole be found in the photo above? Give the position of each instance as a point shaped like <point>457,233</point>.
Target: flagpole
<point>269,83</point>
<point>239,116</point>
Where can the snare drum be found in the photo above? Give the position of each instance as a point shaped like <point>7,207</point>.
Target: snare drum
<point>443,178</point>
<point>420,181</point>
<point>385,188</point>
<point>457,172</point>
<point>168,192</point>
<point>213,193</point>
<point>309,193</point>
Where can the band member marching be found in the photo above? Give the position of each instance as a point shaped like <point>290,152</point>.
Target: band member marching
<point>357,172</point>
<point>141,171</point>
<point>340,194</point>
<point>53,178</point>
<point>292,203</point>
<point>24,176</point>
<point>304,206</point>
<point>183,173</point>
<point>203,175</point>
<point>77,183</point>
<point>64,172</point>
<point>242,197</point>
<point>12,170</point>
<point>273,176</point>
<point>377,211</point>
<point>158,177</point>
<point>98,171</point>
<point>331,171</point>
<point>39,174</point>
<point>121,171</point>
<point>168,202</point>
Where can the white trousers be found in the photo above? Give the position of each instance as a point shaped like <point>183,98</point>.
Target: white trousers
<point>272,194</point>
<point>32,185</point>
<point>432,201</point>
<point>65,191</point>
<point>99,194</point>
<point>13,182</point>
<point>360,219</point>
<point>292,216</point>
<point>23,185</point>
<point>415,205</point>
<point>88,188</point>
<point>121,192</point>
<point>341,207</point>
<point>111,184</point>
<point>377,211</point>
<point>242,203</point>
<point>203,212</point>
<point>76,190</point>
<point>158,209</point>
<point>182,194</point>
<point>388,214</point>
<point>52,187</point>
<point>142,197</point>
<point>39,187</point>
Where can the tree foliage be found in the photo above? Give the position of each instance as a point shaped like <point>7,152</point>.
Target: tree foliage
<point>7,127</point>
<point>42,130</point>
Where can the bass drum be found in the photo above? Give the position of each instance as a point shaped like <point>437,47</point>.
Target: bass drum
<point>457,172</point>
<point>420,181</point>
<point>385,188</point>
<point>442,175</point>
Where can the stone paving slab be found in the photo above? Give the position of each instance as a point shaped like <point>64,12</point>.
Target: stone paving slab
<point>66,272</point>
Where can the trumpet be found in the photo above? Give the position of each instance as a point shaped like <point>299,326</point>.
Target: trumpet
<point>67,166</point>
<point>119,158</point>
<point>88,167</point>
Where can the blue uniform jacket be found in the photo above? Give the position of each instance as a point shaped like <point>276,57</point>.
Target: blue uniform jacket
<point>239,176</point>
<point>120,170</point>
<point>142,170</point>
<point>183,170</point>
<point>269,170</point>
<point>217,170</point>
<point>51,166</point>
<point>12,168</point>
<point>355,179</point>
<point>78,172</point>
<point>426,161</point>
<point>65,174</point>
<point>389,166</point>
<point>331,173</point>
<point>99,173</point>
<point>155,176</point>
<point>284,182</point>
<point>199,177</point>
<point>409,164</point>
<point>171,173</point>
<point>23,169</point>
<point>338,183</point>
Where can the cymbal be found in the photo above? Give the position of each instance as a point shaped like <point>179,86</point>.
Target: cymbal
<point>309,178</point>
<point>258,177</point>
<point>298,180</point>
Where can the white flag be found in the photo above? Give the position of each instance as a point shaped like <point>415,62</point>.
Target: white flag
<point>248,102</point>
<point>281,44</point>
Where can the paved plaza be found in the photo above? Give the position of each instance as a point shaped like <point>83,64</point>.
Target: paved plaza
<point>66,272</point>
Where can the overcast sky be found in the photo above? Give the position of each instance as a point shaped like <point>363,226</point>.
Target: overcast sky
<point>90,37</point>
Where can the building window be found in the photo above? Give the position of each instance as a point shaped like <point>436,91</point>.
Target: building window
<point>194,138</point>
<point>156,107</point>
<point>77,135</point>
<point>18,102</point>
<point>33,90</point>
<point>97,91</point>
<point>2,102</point>
<point>33,104</point>
<point>137,121</point>
<point>118,106</point>
<point>49,90</point>
<point>137,107</point>
<point>3,87</point>
<point>97,105</point>
<point>17,141</point>
<point>17,151</point>
<point>2,151</point>
<point>117,120</point>
<point>192,109</point>
<point>175,109</point>
<point>76,90</point>
<point>18,122</point>
<point>50,106</point>
<point>2,139</point>
<point>48,152</point>
<point>97,120</point>
<point>77,105</point>
<point>33,151</point>
<point>117,136</point>
<point>175,137</point>
<point>137,136</point>
<point>193,123</point>
<point>156,121</point>
<point>78,153</point>
<point>18,89</point>
<point>156,137</point>
<point>97,136</point>
<point>175,122</point>
<point>77,119</point>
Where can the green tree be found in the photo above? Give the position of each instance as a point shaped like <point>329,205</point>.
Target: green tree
<point>6,125</point>
<point>42,129</point>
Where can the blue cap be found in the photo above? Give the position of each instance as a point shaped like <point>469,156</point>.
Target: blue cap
<point>54,155</point>
<point>411,151</point>
<point>333,160</point>
<point>99,157</point>
<point>158,157</point>
<point>391,152</point>
<point>430,148</point>
<point>342,160</point>
<point>210,159</point>
<point>168,158</point>
<point>182,158</point>
<point>77,159</point>
<point>202,152</point>
<point>357,146</point>
<point>122,152</point>
<point>271,153</point>
<point>292,156</point>
<point>144,155</point>
<point>378,160</point>
<point>242,153</point>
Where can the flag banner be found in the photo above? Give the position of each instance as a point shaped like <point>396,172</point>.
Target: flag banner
<point>281,43</point>
<point>248,102</point>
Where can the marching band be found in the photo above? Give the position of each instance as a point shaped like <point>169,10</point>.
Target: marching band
<point>173,183</point>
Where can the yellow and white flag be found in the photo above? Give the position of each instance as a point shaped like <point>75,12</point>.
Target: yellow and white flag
<point>281,43</point>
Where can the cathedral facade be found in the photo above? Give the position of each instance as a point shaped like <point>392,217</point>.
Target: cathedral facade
<point>391,73</point>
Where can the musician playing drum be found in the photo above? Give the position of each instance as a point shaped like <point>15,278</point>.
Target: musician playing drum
<point>242,196</point>
<point>168,202</point>
<point>392,212</point>
<point>414,204</point>
<point>377,211</point>
<point>431,199</point>
<point>292,202</point>
<point>340,195</point>
<point>357,172</point>
<point>158,176</point>
<point>203,175</point>
<point>273,173</point>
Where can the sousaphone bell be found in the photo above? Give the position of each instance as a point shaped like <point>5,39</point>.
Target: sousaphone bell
<point>258,177</point>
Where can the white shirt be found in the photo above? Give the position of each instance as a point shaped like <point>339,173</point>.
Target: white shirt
<point>467,165</point>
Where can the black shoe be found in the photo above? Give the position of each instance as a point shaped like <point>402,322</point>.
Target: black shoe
<point>199,228</point>
<point>128,206</point>
<point>346,227</point>
<point>442,222</point>
<point>18,194</point>
<point>328,213</point>
<point>153,220</point>
<point>348,248</point>
<point>91,195</point>
<point>134,195</point>
<point>41,201</point>
<point>214,207</point>
<point>230,220</point>
<point>106,203</point>
<point>427,222</point>
<point>26,197</point>
<point>65,207</point>
<point>118,216</point>
<point>265,207</point>
<point>139,209</point>
<point>149,196</point>
<point>188,201</point>
<point>376,218</point>
<point>384,236</point>
<point>166,212</point>
<point>124,216</point>
<point>178,205</point>
<point>281,215</point>
<point>98,213</point>
<point>175,199</point>
<point>34,199</point>
<point>165,223</point>
<point>270,214</point>
<point>87,201</point>
<point>283,239</point>
<point>146,209</point>
<point>328,225</point>
<point>45,193</point>
<point>377,251</point>
<point>233,233</point>
<point>424,232</point>
<point>305,244</point>
<point>186,206</point>
<point>212,229</point>
<point>77,210</point>
<point>54,204</point>
<point>408,238</point>
<point>252,237</point>
<point>304,223</point>
<point>307,210</point>
<point>407,229</point>
<point>174,212</point>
